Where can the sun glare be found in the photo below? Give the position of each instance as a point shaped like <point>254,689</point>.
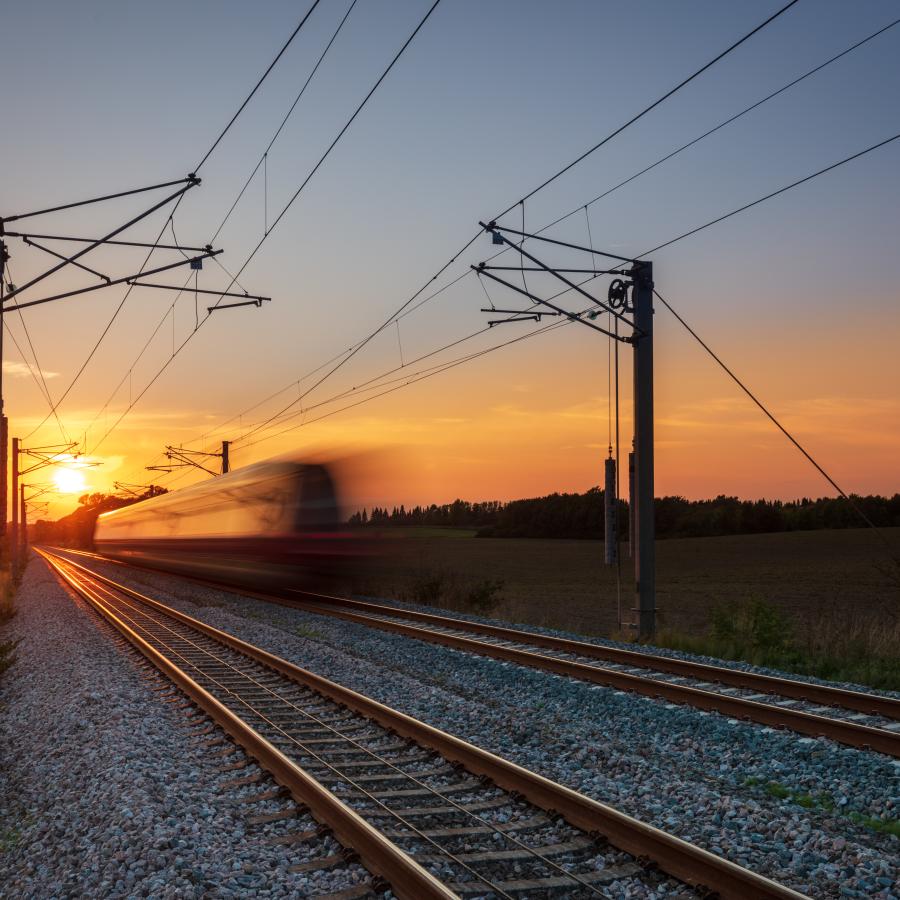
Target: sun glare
<point>69,481</point>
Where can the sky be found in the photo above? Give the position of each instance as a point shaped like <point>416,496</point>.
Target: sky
<point>799,296</point>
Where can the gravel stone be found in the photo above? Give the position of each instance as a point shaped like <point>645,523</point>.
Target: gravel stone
<point>104,788</point>
<point>806,812</point>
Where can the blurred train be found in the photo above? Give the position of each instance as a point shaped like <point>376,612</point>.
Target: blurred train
<point>269,525</point>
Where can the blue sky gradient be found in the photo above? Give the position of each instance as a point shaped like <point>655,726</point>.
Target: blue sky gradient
<point>800,295</point>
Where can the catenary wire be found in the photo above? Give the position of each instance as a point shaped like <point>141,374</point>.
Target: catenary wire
<point>365,341</point>
<point>290,202</point>
<point>652,106</point>
<point>730,120</point>
<point>206,156</point>
<point>366,384</point>
<point>721,218</point>
<point>530,194</point>
<point>706,134</point>
<point>363,385</point>
<point>684,147</point>
<point>765,410</point>
<point>601,196</point>
<point>107,327</point>
<point>37,364</point>
<point>295,383</point>
<point>315,168</point>
<point>42,383</point>
<point>540,187</point>
<point>207,434</point>
<point>257,86</point>
<point>855,506</point>
<point>413,379</point>
<point>284,121</point>
<point>386,323</point>
<point>410,378</point>
<point>42,386</point>
<point>37,382</point>
<point>250,178</point>
<point>140,355</point>
<point>234,278</point>
<point>782,190</point>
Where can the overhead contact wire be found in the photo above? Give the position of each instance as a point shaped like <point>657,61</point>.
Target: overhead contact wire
<point>651,107</point>
<point>178,202</point>
<point>282,213</point>
<point>769,415</point>
<point>257,86</point>
<point>597,146</point>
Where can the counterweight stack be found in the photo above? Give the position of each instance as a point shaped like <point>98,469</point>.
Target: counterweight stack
<point>610,513</point>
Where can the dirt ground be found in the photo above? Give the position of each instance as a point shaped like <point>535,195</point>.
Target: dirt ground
<point>564,583</point>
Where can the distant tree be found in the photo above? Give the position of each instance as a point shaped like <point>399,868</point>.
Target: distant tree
<point>77,528</point>
<point>581,515</point>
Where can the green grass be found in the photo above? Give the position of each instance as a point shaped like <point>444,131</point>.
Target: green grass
<point>424,531</point>
<point>843,647</point>
<point>9,838</point>
<point>824,802</point>
<point>306,632</point>
<point>884,826</point>
<point>818,603</point>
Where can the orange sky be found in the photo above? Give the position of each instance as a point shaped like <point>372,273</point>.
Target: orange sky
<point>799,295</point>
<point>529,420</point>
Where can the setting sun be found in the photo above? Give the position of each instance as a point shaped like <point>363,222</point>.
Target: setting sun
<point>69,481</point>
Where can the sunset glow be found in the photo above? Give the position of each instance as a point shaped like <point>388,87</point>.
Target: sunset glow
<point>533,417</point>
<point>69,481</point>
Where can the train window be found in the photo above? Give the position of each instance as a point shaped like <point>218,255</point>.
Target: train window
<point>318,507</point>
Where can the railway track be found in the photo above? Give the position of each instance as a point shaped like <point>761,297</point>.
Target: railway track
<point>431,814</point>
<point>854,718</point>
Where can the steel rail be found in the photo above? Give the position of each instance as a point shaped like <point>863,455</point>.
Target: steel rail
<point>676,857</point>
<point>379,854</point>
<point>168,637</point>
<point>171,639</point>
<point>871,704</point>
<point>852,734</point>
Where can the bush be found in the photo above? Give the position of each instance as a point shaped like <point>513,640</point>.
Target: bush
<point>448,591</point>
<point>7,611</point>
<point>428,588</point>
<point>484,596</point>
<point>755,629</point>
<point>8,587</point>
<point>840,644</point>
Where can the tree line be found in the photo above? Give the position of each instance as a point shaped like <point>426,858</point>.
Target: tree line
<point>555,516</point>
<point>77,528</point>
<point>581,515</point>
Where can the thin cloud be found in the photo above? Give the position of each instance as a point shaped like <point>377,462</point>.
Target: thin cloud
<point>19,370</point>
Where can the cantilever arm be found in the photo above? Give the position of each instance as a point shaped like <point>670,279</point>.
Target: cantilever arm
<point>102,240</point>
<point>153,187</point>
<point>558,309</point>
<point>96,287</point>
